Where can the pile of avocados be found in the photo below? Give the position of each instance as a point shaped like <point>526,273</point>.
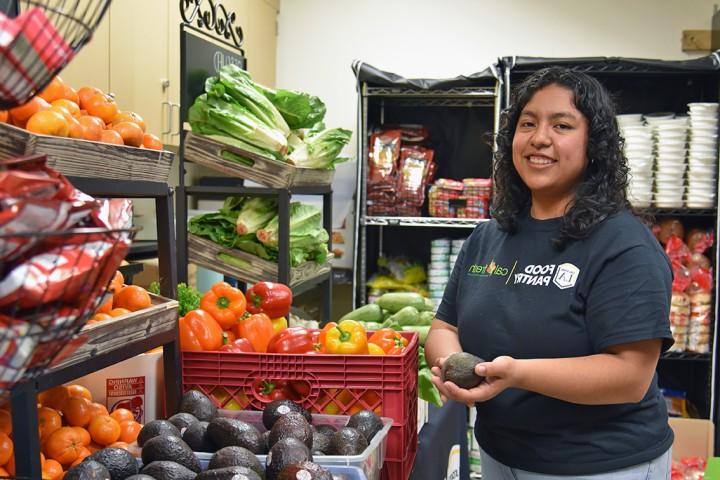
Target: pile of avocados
<point>290,441</point>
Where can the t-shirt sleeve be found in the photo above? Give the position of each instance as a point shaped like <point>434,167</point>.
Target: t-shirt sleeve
<point>629,299</point>
<point>447,310</point>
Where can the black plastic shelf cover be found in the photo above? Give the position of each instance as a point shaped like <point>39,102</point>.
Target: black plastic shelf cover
<point>374,77</point>
<point>709,63</point>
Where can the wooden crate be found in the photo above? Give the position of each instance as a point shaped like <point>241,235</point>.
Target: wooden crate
<point>83,158</point>
<point>108,335</point>
<point>272,173</point>
<point>204,253</point>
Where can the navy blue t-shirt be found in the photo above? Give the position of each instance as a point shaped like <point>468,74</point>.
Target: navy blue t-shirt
<point>516,295</point>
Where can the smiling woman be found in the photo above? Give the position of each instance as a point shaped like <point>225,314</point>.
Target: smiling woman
<point>573,331</point>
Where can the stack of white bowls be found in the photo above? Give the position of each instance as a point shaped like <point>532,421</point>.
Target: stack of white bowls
<point>670,139</point>
<point>702,156</point>
<point>639,153</point>
<point>438,269</point>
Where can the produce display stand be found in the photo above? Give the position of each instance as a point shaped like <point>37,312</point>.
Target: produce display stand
<point>646,86</point>
<point>101,345</point>
<point>207,152</point>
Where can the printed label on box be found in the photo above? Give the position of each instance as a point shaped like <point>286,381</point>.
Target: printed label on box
<point>126,393</point>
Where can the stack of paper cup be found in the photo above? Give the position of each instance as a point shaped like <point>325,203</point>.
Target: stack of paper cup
<point>670,138</point>
<point>455,248</point>
<point>438,270</point>
<point>702,156</point>
<point>639,153</point>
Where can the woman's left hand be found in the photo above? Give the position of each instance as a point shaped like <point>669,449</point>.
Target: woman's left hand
<point>499,374</point>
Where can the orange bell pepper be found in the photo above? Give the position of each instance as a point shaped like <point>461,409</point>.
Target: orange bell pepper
<point>257,328</point>
<point>199,332</point>
<point>225,303</point>
<point>347,338</point>
<point>391,341</point>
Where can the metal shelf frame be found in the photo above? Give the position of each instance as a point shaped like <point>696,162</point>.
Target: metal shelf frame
<point>24,396</point>
<point>439,222</point>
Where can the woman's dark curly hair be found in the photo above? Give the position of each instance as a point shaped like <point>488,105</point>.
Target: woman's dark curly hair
<point>601,190</point>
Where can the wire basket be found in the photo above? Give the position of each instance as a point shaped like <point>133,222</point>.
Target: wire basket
<point>48,294</point>
<point>38,38</point>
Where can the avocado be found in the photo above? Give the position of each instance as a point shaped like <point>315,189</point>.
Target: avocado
<point>366,422</point>
<point>229,473</point>
<point>306,471</point>
<point>322,436</point>
<point>155,429</point>
<point>90,470</point>
<point>119,462</point>
<point>236,457</point>
<point>229,432</point>
<point>459,368</point>
<point>266,438</point>
<point>348,441</point>
<point>165,470</point>
<point>278,408</point>
<point>285,452</point>
<point>140,476</point>
<point>197,438</point>
<point>171,448</point>
<point>183,420</point>
<point>197,404</point>
<point>294,425</point>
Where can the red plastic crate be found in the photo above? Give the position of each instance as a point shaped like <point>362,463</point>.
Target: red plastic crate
<point>338,384</point>
<point>399,469</point>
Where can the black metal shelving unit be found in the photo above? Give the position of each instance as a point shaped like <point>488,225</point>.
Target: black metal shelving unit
<point>23,396</point>
<point>645,86</point>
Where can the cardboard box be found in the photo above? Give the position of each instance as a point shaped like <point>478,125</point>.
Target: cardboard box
<point>693,438</point>
<point>136,384</point>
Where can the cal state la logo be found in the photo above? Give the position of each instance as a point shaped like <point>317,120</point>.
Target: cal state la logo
<point>566,276</point>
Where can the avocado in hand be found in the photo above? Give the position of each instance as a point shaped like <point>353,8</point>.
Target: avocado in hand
<point>459,368</point>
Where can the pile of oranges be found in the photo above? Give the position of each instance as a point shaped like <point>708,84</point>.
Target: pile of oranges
<point>123,299</point>
<point>71,427</point>
<point>87,114</point>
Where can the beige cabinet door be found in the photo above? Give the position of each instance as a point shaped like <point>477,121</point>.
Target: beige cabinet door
<point>172,137</point>
<point>138,59</point>
<point>258,19</point>
<point>91,67</point>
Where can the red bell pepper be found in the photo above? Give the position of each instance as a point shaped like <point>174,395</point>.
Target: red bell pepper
<point>238,346</point>
<point>272,299</point>
<point>292,340</point>
<point>269,390</point>
<point>225,303</point>
<point>300,387</point>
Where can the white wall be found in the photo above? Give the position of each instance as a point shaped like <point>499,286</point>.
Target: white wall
<point>318,40</point>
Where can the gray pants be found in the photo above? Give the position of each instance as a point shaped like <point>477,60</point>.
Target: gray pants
<point>658,469</point>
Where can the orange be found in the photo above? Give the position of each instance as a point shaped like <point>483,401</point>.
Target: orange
<point>130,132</point>
<point>63,445</point>
<point>49,122</point>
<point>122,415</point>
<point>4,115</point>
<point>94,447</point>
<point>79,391</point>
<point>116,312</point>
<point>102,106</point>
<point>76,129</point>
<point>54,397</point>
<point>84,435</point>
<point>71,107</point>
<point>6,448</point>
<point>123,445</point>
<point>152,142</point>
<point>92,127</point>
<point>84,95</point>
<point>111,136</point>
<point>127,116</point>
<point>71,94</point>
<point>76,411</point>
<point>5,422</point>
<point>129,431</point>
<point>133,298</point>
<point>54,90</point>
<point>84,452</point>
<point>97,409</point>
<point>4,473</point>
<point>104,430</point>
<point>117,283</point>
<point>106,306</point>
<point>49,420</point>
<point>20,115</point>
<point>52,470</point>
<point>99,317</point>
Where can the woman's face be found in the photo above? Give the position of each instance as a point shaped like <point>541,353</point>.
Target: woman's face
<point>550,144</point>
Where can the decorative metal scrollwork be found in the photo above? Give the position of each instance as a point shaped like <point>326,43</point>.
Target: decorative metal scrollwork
<point>212,15</point>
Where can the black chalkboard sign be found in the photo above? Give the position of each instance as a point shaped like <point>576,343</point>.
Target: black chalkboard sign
<point>201,58</point>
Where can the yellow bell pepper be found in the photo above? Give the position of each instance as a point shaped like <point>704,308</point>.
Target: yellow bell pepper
<point>347,338</point>
<point>375,349</point>
<point>279,324</point>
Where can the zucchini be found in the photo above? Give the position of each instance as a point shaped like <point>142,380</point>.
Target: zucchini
<point>367,313</point>
<point>429,305</point>
<point>422,332</point>
<point>406,316</point>
<point>395,301</point>
<point>426,318</point>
